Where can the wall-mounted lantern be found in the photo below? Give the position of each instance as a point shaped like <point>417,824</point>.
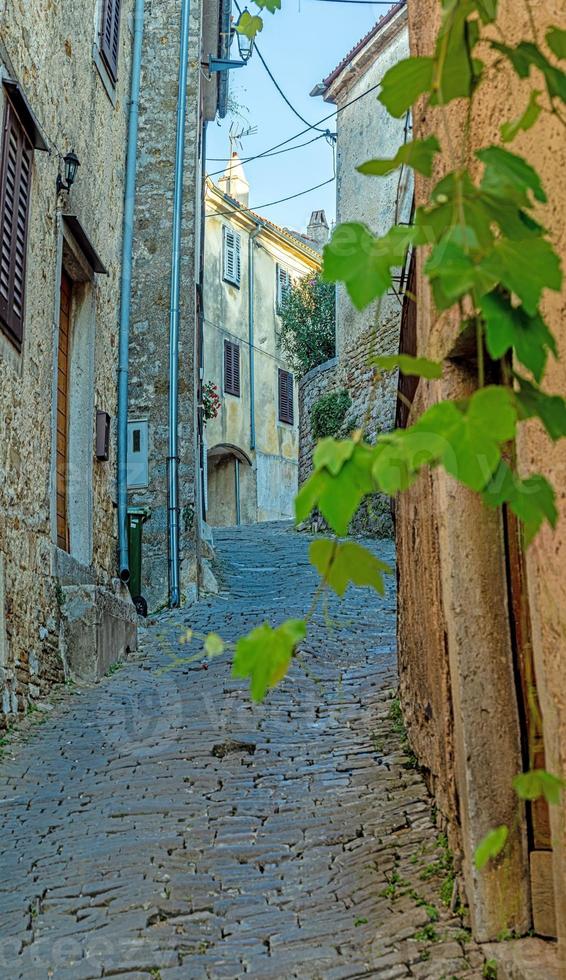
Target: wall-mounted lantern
<point>72,163</point>
<point>245,49</point>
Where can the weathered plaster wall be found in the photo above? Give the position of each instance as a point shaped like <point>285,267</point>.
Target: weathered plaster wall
<point>48,48</point>
<point>149,336</point>
<point>268,490</point>
<point>461,564</point>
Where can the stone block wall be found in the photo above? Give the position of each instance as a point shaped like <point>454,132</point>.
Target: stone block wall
<point>48,49</point>
<point>374,398</point>
<point>149,336</point>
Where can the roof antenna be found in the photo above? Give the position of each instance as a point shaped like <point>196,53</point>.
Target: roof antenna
<point>237,134</point>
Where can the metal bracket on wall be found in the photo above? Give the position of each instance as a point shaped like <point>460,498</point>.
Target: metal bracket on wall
<point>223,64</point>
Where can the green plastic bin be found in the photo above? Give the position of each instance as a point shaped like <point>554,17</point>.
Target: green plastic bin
<point>137,516</point>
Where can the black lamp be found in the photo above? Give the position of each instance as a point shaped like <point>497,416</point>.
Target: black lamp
<point>245,43</point>
<point>72,163</point>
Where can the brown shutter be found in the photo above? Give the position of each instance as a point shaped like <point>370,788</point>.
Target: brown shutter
<point>231,368</point>
<point>15,191</point>
<point>110,36</point>
<point>285,397</point>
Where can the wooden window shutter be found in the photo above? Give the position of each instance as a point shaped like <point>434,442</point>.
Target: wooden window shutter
<point>110,36</point>
<point>285,397</point>
<point>15,193</point>
<point>283,285</point>
<point>231,368</point>
<point>232,258</point>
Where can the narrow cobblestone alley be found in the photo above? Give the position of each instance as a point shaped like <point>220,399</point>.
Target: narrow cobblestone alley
<point>161,825</point>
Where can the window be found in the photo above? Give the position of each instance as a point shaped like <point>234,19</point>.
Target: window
<point>285,397</point>
<point>15,192</point>
<point>231,368</point>
<point>110,36</point>
<point>283,285</point>
<point>138,453</point>
<point>232,262</point>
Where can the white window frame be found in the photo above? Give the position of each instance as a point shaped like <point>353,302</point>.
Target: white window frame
<point>231,256</point>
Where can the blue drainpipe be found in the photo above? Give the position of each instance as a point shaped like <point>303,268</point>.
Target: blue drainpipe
<point>126,292</point>
<point>251,325</point>
<point>173,449</point>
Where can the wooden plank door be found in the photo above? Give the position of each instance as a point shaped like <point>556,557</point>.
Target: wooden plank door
<point>63,410</point>
<point>538,816</point>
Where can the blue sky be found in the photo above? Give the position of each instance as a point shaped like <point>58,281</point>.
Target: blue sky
<point>301,44</point>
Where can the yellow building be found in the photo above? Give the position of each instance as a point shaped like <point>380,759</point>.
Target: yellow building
<point>251,447</point>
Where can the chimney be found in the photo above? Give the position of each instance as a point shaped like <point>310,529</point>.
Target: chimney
<point>318,230</point>
<point>234,182</point>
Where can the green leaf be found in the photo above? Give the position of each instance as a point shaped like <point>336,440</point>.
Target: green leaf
<point>525,268</point>
<point>453,272</point>
<point>487,10</point>
<point>416,366</point>
<point>214,645</point>
<point>271,5</point>
<point>402,85</point>
<point>340,564</point>
<point>455,202</point>
<point>419,155</point>
<point>531,500</point>
<point>455,70</point>
<point>508,326</point>
<point>332,454</point>
<point>249,24</point>
<point>525,121</point>
<point>550,409</point>
<point>264,655</point>
<point>509,176</point>
<point>491,846</point>
<point>355,257</point>
<point>539,783</point>
<point>556,40</point>
<point>338,495</point>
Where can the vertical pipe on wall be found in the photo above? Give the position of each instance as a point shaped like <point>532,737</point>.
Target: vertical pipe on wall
<point>237,490</point>
<point>173,446</point>
<point>251,307</point>
<point>126,291</point>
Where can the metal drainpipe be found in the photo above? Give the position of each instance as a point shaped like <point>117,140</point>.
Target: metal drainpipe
<point>251,278</point>
<point>173,454</point>
<point>126,292</point>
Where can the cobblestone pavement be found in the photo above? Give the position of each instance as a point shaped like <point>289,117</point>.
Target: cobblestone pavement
<point>160,825</point>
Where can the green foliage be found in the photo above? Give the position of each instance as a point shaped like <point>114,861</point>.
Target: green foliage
<point>417,366</point>
<point>538,783</point>
<point>419,155</point>
<point>265,655</point>
<point>404,83</point>
<point>214,645</point>
<point>342,564</point>
<point>341,480</point>
<point>364,263</point>
<point>556,40</point>
<point>427,934</point>
<point>550,409</point>
<point>532,500</point>
<point>509,327</point>
<point>489,971</point>
<point>250,24</point>
<point>308,322</point>
<point>491,846</point>
<point>328,413</point>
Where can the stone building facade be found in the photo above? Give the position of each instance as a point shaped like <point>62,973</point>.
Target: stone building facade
<point>149,378</point>
<point>60,89</point>
<point>481,621</point>
<point>252,445</point>
<point>365,130</point>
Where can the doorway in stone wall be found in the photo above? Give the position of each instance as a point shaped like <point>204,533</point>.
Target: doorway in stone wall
<point>62,427</point>
<point>537,812</point>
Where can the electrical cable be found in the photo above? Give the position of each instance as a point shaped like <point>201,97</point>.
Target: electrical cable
<point>291,139</point>
<point>243,342</point>
<point>277,85</point>
<point>262,207</point>
<point>276,153</point>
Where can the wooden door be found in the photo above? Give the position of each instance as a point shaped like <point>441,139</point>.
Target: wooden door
<point>63,410</point>
<point>538,816</point>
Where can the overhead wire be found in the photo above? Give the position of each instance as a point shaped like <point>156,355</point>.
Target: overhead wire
<point>270,204</point>
<point>276,153</point>
<point>291,139</point>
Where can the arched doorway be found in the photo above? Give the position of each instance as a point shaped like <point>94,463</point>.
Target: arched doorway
<point>231,492</point>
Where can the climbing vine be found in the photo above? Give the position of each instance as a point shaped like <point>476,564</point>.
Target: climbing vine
<point>488,260</point>
<point>329,413</point>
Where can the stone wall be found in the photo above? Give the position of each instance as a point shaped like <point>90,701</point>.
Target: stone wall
<point>458,683</point>
<point>373,396</point>
<point>149,336</point>
<point>48,48</point>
